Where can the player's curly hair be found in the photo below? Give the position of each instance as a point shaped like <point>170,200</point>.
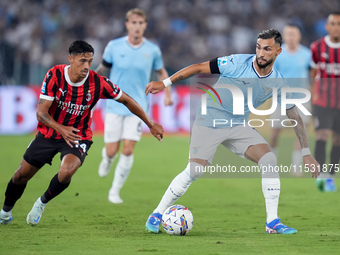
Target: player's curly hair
<point>271,33</point>
<point>80,47</point>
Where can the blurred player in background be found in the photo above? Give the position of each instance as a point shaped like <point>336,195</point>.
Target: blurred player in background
<point>326,100</point>
<point>130,59</point>
<point>293,62</point>
<point>243,140</point>
<point>67,99</point>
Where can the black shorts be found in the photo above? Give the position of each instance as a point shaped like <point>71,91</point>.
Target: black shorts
<point>326,118</point>
<point>42,150</point>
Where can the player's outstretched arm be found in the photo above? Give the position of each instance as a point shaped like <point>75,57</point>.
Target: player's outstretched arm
<point>187,72</point>
<point>155,129</point>
<point>301,133</point>
<point>67,132</point>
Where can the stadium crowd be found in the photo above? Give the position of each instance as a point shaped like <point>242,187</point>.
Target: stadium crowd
<point>35,34</point>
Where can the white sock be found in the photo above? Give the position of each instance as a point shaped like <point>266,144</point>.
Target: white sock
<point>270,185</point>
<point>121,173</point>
<point>177,188</point>
<point>6,213</point>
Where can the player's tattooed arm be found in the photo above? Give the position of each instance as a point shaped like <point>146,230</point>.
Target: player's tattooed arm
<point>190,71</point>
<point>184,77</point>
<point>44,119</point>
<point>41,101</point>
<point>300,129</point>
<point>187,72</point>
<point>69,133</point>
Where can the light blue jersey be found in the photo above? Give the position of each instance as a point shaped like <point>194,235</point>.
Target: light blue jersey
<point>131,70</point>
<point>294,65</point>
<point>239,71</point>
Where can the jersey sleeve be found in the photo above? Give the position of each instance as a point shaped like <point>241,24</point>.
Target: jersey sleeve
<point>49,86</point>
<point>107,55</point>
<point>158,60</point>
<point>110,90</point>
<point>225,66</point>
<point>315,56</point>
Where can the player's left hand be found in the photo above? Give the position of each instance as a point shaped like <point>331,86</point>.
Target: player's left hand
<point>154,87</point>
<point>312,165</point>
<point>157,131</point>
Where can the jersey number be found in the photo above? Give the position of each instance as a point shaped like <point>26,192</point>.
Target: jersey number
<point>83,146</point>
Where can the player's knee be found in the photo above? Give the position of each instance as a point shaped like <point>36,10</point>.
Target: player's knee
<point>194,170</point>
<point>67,171</point>
<point>268,164</point>
<point>20,179</point>
<point>109,151</point>
<point>127,152</point>
<point>322,135</point>
<point>336,139</point>
<point>128,148</point>
<point>22,175</point>
<point>65,176</point>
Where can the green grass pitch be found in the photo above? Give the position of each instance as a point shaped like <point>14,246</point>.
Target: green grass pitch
<point>229,213</point>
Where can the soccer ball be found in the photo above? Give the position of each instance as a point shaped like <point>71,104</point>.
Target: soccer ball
<point>177,220</point>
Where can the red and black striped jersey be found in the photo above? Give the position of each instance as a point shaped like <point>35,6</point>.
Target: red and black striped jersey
<point>74,103</point>
<point>326,59</point>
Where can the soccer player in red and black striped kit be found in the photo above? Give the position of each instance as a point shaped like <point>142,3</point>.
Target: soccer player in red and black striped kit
<point>67,100</point>
<point>326,100</point>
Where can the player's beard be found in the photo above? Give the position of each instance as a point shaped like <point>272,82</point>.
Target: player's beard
<point>267,63</point>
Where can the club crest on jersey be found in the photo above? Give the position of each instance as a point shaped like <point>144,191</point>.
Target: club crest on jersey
<point>88,96</point>
<point>222,61</point>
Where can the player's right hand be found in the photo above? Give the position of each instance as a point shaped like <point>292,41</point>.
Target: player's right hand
<point>312,165</point>
<point>154,87</point>
<point>70,136</point>
<point>157,131</point>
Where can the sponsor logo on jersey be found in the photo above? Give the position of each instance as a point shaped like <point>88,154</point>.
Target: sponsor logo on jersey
<point>62,92</point>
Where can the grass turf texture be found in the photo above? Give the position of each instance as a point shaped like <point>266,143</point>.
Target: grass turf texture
<point>229,213</point>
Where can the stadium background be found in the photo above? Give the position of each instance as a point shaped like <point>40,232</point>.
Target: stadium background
<point>35,35</point>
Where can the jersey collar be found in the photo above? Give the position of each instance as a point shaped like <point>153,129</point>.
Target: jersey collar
<point>330,43</point>
<point>134,46</point>
<point>69,80</point>
<point>258,75</point>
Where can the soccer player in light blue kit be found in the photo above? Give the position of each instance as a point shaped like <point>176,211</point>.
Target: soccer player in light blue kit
<point>257,72</point>
<point>131,59</point>
<point>294,64</point>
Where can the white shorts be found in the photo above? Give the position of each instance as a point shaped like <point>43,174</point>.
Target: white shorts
<point>119,128</point>
<point>277,115</point>
<point>204,140</point>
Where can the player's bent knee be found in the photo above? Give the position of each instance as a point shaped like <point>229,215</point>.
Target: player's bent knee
<point>194,170</point>
<point>268,164</point>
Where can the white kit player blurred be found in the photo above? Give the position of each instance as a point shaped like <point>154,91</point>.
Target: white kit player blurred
<point>131,60</point>
<point>242,71</point>
<point>294,64</point>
